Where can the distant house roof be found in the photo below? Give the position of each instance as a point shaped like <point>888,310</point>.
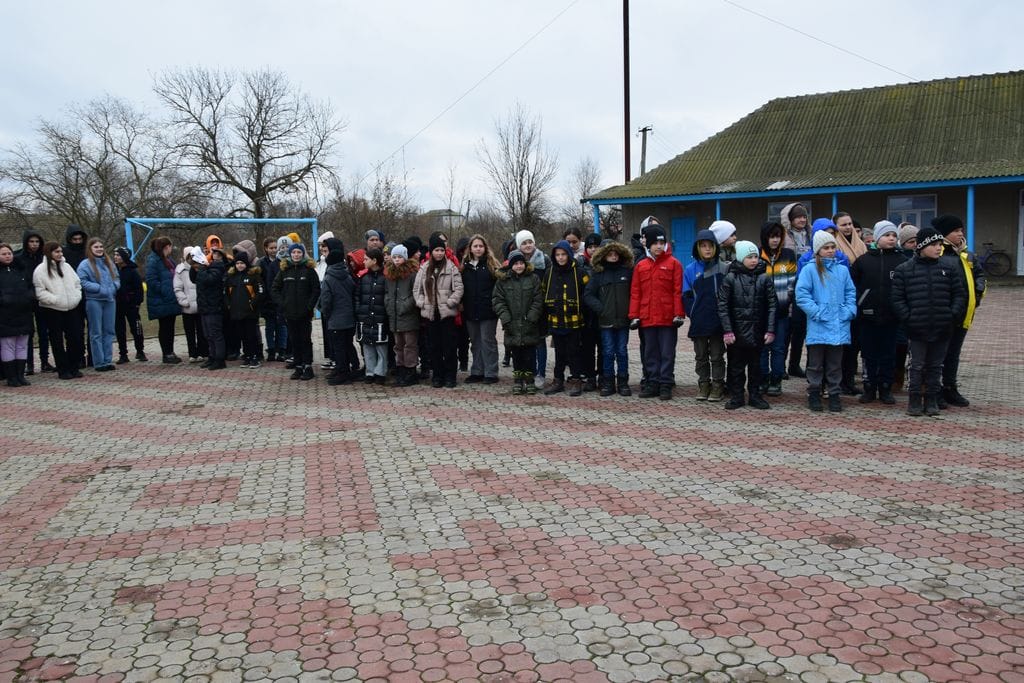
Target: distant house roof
<point>949,129</point>
<point>442,213</point>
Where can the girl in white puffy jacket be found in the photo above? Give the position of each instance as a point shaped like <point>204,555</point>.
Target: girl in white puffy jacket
<point>59,291</point>
<point>185,293</point>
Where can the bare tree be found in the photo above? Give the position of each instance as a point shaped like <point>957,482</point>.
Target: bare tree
<point>584,181</point>
<point>520,168</point>
<point>453,197</point>
<point>253,133</point>
<point>106,161</point>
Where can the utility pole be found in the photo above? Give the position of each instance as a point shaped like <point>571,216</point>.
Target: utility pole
<point>625,80</point>
<point>643,147</point>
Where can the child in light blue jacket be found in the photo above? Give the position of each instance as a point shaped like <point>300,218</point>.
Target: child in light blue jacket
<point>825,292</point>
<point>99,286</point>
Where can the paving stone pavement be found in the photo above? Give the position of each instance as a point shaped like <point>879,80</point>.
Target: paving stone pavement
<point>168,523</point>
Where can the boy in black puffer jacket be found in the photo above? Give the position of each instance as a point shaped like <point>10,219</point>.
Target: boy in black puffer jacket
<point>372,316</point>
<point>746,309</point>
<point>126,306</point>
<point>209,280</point>
<point>296,291</point>
<point>244,293</point>
<point>929,297</point>
<point>607,296</point>
<point>337,306</point>
<point>872,274</point>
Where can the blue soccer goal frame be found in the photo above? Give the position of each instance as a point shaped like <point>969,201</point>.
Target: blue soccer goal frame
<point>149,225</point>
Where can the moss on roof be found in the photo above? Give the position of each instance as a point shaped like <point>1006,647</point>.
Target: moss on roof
<point>949,129</point>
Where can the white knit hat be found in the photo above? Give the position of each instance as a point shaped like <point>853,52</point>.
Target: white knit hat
<point>884,228</point>
<point>745,249</point>
<point>723,230</point>
<point>522,236</point>
<point>821,238</point>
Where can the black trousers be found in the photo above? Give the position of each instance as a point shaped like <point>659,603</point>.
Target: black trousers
<point>524,358</point>
<point>444,343</point>
<point>568,352</point>
<point>44,338</point>
<point>345,360</point>
<point>300,332</point>
<point>213,328</point>
<point>194,336</point>
<point>65,329</point>
<point>166,334</point>
<point>744,365</point>
<point>248,329</point>
<point>926,365</point>
<point>797,334</point>
<point>850,353</point>
<point>127,317</point>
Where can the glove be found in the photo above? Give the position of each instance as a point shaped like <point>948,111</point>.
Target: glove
<point>729,338</point>
<point>634,324</point>
<point>769,337</point>
<point>678,321</point>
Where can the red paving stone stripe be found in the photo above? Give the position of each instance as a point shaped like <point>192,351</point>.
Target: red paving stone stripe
<point>189,493</point>
<point>96,425</point>
<point>874,630</point>
<point>338,499</point>
<point>906,541</point>
<point>981,498</point>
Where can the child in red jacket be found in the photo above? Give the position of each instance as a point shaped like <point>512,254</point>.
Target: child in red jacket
<point>656,308</point>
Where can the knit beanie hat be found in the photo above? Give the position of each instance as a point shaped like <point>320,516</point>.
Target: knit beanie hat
<point>592,240</point>
<point>515,255</point>
<point>400,251</point>
<point>373,233</point>
<point>334,257</point>
<point>435,242</point>
<point>822,238</point>
<point>797,211</point>
<point>653,233</point>
<point>413,243</point>
<point>947,223</point>
<point>927,236</point>
<point>745,249</point>
<point>907,233</point>
<point>242,257</point>
<point>522,236</point>
<point>249,247</point>
<point>298,246</point>
<point>723,230</point>
<point>125,255</point>
<point>884,228</point>
<point>198,256</point>
<point>294,237</point>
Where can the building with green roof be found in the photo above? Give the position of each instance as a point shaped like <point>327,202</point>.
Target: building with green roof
<point>904,152</point>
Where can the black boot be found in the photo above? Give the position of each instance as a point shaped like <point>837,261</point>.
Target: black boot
<point>736,401</point>
<point>557,386</point>
<point>885,394</point>
<point>19,372</point>
<point>122,359</point>
<point>622,385</point>
<point>590,384</point>
<point>954,397</point>
<point>931,405</point>
<point>297,372</point>
<point>665,392</point>
<point>814,401</point>
<point>650,390</point>
<point>795,371</point>
<point>915,404</point>
<point>217,364</point>
<point>756,401</point>
<point>46,367</point>
<point>870,393</point>
<point>835,403</point>
<point>607,386</point>
<point>307,373</point>
<point>10,375</point>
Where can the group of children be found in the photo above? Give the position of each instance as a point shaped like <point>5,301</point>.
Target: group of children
<point>407,305</point>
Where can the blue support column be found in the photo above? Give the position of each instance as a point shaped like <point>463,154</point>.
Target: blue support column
<point>970,217</point>
<point>835,203</point>
<point>597,218</point>
<point>316,240</point>
<point>718,209</point>
<point>128,241</point>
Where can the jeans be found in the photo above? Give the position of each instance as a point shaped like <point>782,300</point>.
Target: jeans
<point>824,364</point>
<point>484,343</point>
<point>744,366</point>
<point>951,364</point>
<point>101,331</point>
<point>195,338</point>
<point>213,328</point>
<point>710,358</point>
<point>614,345</point>
<point>276,331</point>
<point>166,334</point>
<point>926,365</point>
<point>878,347</point>
<point>773,357</point>
<point>659,354</point>
<point>65,329</point>
<point>567,353</point>
<point>376,358</point>
<point>126,316</point>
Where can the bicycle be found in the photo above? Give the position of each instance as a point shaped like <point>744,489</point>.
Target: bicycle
<point>995,262</point>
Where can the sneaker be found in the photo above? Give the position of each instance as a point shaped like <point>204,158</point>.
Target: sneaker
<point>123,359</point>
<point>254,363</point>
<point>327,365</point>
<point>307,373</point>
<point>717,391</point>
<point>297,373</point>
<point>193,359</point>
<point>141,356</point>
<point>171,359</point>
<point>758,402</point>
<point>46,367</point>
<point>490,380</point>
<point>244,363</point>
<point>734,403</point>
<point>474,379</point>
<point>774,387</point>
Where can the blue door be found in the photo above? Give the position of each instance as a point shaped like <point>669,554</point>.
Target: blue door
<point>684,231</point>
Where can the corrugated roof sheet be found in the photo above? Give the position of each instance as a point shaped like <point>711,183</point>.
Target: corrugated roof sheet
<point>950,129</point>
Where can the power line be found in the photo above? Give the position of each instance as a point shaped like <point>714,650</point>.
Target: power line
<point>471,89</point>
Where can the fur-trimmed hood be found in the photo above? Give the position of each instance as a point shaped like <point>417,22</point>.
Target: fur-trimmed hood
<point>253,270</point>
<point>505,272</point>
<point>597,259</point>
<point>407,269</point>
<point>288,263</point>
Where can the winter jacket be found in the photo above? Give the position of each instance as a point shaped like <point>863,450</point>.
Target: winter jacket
<point>799,241</point>
<point>780,266</point>
<point>98,288</point>
<point>337,297</point>
<point>72,254</point>
<point>444,296</point>
<point>607,292</point>
<point>244,293</point>
<point>270,267</point>
<point>519,304</point>
<point>403,314</point>
<point>57,292</point>
<point>130,293</point>
<point>209,281</point>
<point>747,305</point>
<point>830,305</point>
<point>477,291</point>
<point>160,298</point>
<point>296,289</point>
<point>17,299</point>
<point>928,297</point>
<point>185,289</point>
<point>371,311</point>
<point>563,295</point>
<point>701,282</point>
<point>655,295</point>
<point>30,259</point>
<point>972,277</point>
<point>872,275</point>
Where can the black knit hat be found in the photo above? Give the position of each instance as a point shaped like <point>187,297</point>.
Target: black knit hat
<point>946,224</point>
<point>592,240</point>
<point>436,241</point>
<point>927,236</point>
<point>653,233</point>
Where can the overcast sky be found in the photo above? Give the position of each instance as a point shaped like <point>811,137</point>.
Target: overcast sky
<point>389,67</point>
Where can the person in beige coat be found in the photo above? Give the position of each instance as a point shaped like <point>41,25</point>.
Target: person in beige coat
<point>59,291</point>
<point>438,293</point>
<point>185,293</point>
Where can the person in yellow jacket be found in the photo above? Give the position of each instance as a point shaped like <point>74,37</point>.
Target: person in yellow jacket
<point>973,278</point>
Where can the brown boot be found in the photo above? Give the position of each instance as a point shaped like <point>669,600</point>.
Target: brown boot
<point>575,386</point>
